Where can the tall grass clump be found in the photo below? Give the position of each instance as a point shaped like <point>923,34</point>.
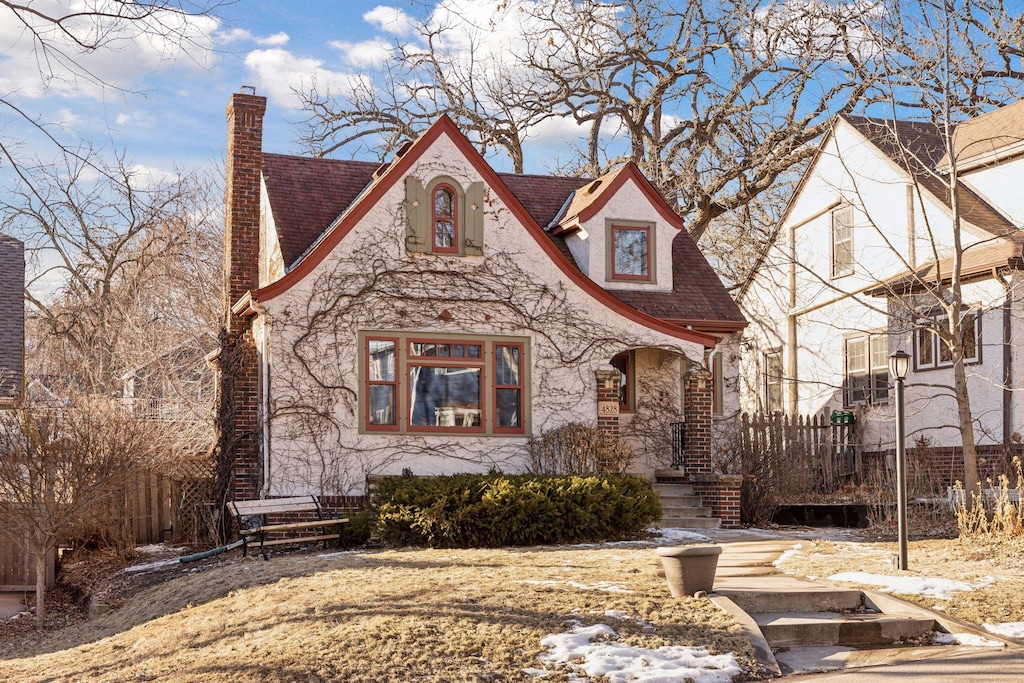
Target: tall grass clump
<point>991,513</point>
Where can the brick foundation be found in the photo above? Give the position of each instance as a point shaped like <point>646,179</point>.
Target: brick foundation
<point>944,465</point>
<point>720,493</point>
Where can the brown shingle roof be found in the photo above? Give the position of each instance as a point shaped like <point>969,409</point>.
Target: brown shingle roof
<point>984,138</point>
<point>978,262</point>
<point>307,195</point>
<point>918,148</point>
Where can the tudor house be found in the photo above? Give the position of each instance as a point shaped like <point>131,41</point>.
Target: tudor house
<point>852,276</point>
<point>431,314</point>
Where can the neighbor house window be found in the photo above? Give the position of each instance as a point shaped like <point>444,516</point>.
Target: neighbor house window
<point>842,241</point>
<point>773,381</point>
<point>931,352</point>
<point>867,370</point>
<point>624,362</point>
<point>450,384</point>
<point>631,253</point>
<point>445,226</point>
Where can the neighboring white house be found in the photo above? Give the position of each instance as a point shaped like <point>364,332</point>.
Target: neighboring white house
<point>432,314</point>
<point>843,284</point>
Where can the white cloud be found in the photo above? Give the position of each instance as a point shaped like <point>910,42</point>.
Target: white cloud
<point>365,53</point>
<point>276,40</point>
<point>390,19</point>
<point>131,51</point>
<point>277,72</point>
<point>241,35</point>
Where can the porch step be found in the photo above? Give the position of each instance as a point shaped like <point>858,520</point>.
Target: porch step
<point>681,508</point>
<point>792,629</point>
<point>824,600</point>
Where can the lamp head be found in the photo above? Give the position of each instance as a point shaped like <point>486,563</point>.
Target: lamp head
<point>899,364</point>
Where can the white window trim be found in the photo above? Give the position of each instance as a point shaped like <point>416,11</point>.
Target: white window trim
<point>846,269</point>
<point>872,392</point>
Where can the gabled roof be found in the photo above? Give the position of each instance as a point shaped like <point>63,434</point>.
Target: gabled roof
<point>918,147</point>
<point>988,138</point>
<point>346,190</point>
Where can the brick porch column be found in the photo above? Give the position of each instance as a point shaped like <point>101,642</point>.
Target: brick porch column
<point>608,401</point>
<point>697,419</point>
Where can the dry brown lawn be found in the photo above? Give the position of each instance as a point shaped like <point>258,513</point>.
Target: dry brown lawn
<point>405,615</point>
<point>995,566</point>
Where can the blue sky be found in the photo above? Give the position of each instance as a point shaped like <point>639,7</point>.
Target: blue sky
<point>167,110</point>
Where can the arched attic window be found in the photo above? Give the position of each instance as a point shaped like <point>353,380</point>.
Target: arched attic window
<point>445,228</point>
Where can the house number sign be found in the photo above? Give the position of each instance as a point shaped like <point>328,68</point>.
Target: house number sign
<point>607,409</point>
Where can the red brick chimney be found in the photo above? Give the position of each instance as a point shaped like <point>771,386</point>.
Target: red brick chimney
<point>240,474</point>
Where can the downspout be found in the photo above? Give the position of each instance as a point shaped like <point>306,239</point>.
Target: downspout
<point>264,397</point>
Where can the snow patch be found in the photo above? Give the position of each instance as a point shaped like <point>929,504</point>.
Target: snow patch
<point>795,550</point>
<point>907,585</point>
<point>966,639</point>
<point>622,663</point>
<point>150,566</point>
<point>1011,629</point>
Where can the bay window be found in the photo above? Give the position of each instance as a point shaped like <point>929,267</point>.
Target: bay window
<point>443,384</point>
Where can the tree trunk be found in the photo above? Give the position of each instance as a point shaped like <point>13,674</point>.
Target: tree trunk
<point>41,553</point>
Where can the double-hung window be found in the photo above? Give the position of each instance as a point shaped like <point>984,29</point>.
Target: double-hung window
<point>842,241</point>
<point>444,384</point>
<point>773,381</point>
<point>867,370</point>
<point>932,352</point>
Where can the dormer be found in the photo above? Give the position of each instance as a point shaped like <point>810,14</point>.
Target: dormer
<point>620,231</point>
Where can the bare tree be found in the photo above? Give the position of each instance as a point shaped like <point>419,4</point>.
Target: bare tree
<point>60,466</point>
<point>713,100</point>
<point>125,265</point>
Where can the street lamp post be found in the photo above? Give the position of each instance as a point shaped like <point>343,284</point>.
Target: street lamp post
<point>899,364</point>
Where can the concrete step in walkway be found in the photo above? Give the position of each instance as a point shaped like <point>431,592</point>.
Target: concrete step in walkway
<point>682,508</point>
<point>799,626</point>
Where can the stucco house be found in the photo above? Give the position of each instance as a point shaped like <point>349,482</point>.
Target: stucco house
<point>431,314</point>
<point>852,273</point>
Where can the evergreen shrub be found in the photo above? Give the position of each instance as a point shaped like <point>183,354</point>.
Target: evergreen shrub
<point>495,510</point>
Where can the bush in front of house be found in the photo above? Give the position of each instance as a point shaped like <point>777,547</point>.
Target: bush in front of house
<point>576,448</point>
<point>495,510</point>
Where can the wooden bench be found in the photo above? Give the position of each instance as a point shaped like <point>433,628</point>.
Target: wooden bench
<point>251,516</point>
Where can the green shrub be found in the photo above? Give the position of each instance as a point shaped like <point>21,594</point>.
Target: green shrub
<point>358,530</point>
<point>494,510</point>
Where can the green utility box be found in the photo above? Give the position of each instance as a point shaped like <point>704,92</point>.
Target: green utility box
<point>842,417</point>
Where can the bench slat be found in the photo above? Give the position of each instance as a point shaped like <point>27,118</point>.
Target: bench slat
<point>294,526</point>
<point>304,539</point>
<point>251,508</point>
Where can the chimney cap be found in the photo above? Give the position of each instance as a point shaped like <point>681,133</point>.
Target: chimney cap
<point>247,90</point>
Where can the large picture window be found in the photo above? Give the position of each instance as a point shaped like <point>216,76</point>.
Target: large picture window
<point>451,385</point>
<point>931,352</point>
<point>867,370</point>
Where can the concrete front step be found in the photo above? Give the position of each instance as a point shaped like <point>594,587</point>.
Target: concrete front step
<point>690,523</point>
<point>681,501</point>
<point>673,489</point>
<point>824,600</point>
<point>792,629</point>
<point>687,511</point>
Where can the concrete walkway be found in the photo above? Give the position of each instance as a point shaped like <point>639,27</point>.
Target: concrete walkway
<point>11,604</point>
<point>747,564</point>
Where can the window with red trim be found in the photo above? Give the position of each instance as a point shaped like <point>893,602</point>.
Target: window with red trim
<point>450,385</point>
<point>445,230</point>
<point>631,253</point>
<point>508,387</point>
<point>382,381</point>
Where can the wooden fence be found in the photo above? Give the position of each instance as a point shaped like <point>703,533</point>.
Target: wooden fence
<point>800,455</point>
<point>18,568</point>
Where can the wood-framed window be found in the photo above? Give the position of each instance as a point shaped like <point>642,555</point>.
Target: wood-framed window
<point>867,370</point>
<point>773,380</point>
<point>842,241</point>
<point>443,218</point>
<point>382,384</point>
<point>444,384</point>
<point>444,206</point>
<point>625,363</point>
<point>631,253</point>
<point>930,352</point>
<point>509,388</point>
